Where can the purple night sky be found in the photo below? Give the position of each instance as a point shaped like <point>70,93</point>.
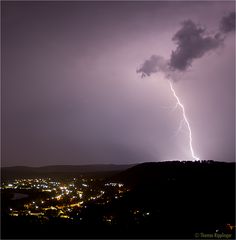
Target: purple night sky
<point>71,93</point>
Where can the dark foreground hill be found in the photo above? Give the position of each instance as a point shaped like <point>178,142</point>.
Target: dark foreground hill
<point>183,198</point>
<point>172,171</point>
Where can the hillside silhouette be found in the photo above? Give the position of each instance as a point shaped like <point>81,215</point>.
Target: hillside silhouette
<point>184,197</point>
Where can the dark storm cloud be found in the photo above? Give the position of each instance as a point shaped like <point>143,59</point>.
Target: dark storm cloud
<point>152,65</point>
<point>192,43</point>
<point>227,23</point>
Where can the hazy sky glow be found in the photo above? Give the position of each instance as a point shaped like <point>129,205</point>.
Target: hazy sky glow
<point>71,94</point>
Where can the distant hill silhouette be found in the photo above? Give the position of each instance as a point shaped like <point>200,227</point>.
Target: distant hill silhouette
<point>59,170</point>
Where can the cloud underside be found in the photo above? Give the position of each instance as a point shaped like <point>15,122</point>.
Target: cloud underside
<point>152,65</point>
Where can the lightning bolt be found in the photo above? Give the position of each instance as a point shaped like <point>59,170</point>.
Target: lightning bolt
<point>185,120</point>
